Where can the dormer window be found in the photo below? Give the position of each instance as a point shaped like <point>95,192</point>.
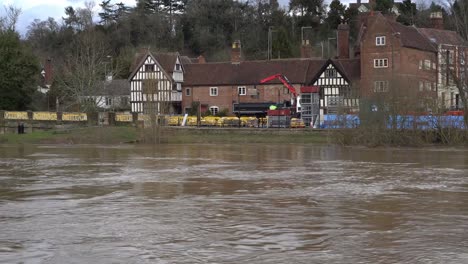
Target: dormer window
<point>380,41</point>
<point>178,67</point>
<point>149,67</point>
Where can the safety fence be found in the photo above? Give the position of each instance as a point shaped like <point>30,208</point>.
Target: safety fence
<point>425,122</point>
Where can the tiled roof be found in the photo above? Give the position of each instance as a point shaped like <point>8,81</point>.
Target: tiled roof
<point>298,71</point>
<point>167,60</point>
<point>117,87</point>
<point>246,72</point>
<point>410,37</point>
<point>351,68</point>
<point>439,36</point>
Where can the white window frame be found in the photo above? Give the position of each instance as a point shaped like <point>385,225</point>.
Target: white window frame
<point>381,86</point>
<point>108,101</point>
<point>214,110</point>
<point>213,91</point>
<point>381,63</point>
<point>188,92</point>
<point>380,41</point>
<point>242,90</point>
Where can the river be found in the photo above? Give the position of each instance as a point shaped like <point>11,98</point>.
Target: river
<point>232,204</point>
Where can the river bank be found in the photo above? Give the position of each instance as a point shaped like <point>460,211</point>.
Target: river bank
<point>170,135</point>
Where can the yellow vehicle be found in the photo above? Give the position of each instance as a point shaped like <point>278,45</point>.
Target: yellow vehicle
<point>297,123</point>
<point>174,120</point>
<point>210,121</point>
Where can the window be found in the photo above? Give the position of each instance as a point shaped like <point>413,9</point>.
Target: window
<point>427,64</point>
<point>241,90</point>
<point>428,86</point>
<point>149,68</point>
<point>108,101</point>
<point>380,63</point>
<point>179,87</point>
<point>421,86</point>
<point>188,92</point>
<point>214,110</point>
<point>380,86</point>
<point>330,73</point>
<point>213,91</point>
<point>178,67</point>
<point>380,41</point>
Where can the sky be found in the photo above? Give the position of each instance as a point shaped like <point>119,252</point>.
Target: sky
<point>42,9</point>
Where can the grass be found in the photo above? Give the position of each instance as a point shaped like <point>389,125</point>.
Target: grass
<point>86,135</point>
<point>119,135</point>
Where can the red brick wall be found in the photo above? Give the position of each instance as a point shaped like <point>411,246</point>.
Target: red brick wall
<point>227,95</point>
<point>403,63</point>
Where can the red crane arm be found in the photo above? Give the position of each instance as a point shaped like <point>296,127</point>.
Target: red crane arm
<point>283,79</point>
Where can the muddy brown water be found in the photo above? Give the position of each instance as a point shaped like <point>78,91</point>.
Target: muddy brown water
<point>232,204</point>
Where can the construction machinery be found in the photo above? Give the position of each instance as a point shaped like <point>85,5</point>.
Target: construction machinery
<point>305,107</point>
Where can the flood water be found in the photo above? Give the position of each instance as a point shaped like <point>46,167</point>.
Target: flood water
<point>232,204</point>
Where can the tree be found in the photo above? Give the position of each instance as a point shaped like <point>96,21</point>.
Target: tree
<point>336,14</point>
<point>8,22</point>
<point>459,72</point>
<point>107,15</point>
<point>407,12</point>
<point>384,6</point>
<point>83,73</point>
<point>71,20</point>
<point>18,69</point>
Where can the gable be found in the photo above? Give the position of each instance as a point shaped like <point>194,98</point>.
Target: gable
<point>139,73</point>
<point>331,75</point>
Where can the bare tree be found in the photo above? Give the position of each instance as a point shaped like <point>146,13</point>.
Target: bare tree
<point>9,21</point>
<point>455,58</point>
<point>82,80</point>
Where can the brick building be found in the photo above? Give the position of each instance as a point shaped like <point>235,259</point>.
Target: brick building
<point>409,64</point>
<point>392,63</point>
<point>390,57</point>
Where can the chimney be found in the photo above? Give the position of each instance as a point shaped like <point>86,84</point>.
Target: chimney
<point>48,72</point>
<point>201,59</point>
<point>437,20</point>
<point>343,41</point>
<point>306,49</point>
<point>236,55</point>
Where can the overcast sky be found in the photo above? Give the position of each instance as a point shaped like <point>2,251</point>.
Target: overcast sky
<point>42,9</point>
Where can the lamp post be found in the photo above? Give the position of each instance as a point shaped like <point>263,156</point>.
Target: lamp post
<point>270,42</point>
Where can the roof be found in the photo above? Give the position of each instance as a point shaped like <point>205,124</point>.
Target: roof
<point>298,71</point>
<point>167,60</point>
<point>351,68</point>
<point>117,87</point>
<point>439,36</point>
<point>410,37</point>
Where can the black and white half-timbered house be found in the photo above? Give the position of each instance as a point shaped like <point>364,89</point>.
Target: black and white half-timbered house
<point>338,86</point>
<point>156,83</point>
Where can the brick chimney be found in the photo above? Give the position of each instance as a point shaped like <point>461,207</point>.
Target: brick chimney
<point>306,49</point>
<point>437,20</point>
<point>343,41</point>
<point>236,52</point>
<point>48,77</point>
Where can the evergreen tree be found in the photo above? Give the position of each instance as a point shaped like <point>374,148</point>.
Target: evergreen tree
<point>17,72</point>
<point>336,14</point>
